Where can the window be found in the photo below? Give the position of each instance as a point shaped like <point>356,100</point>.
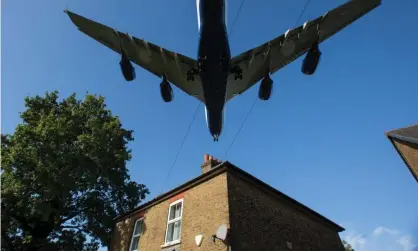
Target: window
<point>136,234</point>
<point>174,222</point>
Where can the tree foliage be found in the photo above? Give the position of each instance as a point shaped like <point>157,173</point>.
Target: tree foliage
<point>64,175</point>
<point>347,246</point>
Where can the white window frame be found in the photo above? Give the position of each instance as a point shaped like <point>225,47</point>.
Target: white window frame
<point>174,220</point>
<point>136,235</point>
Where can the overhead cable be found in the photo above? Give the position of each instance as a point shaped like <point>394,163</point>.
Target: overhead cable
<point>181,145</point>
<point>255,100</point>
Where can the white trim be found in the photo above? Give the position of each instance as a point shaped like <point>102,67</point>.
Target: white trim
<point>173,220</point>
<point>133,232</point>
<point>169,244</point>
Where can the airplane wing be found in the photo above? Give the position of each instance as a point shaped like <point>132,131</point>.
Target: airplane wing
<point>152,58</point>
<point>277,53</point>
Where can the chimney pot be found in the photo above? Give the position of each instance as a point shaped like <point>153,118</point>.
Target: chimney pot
<point>209,163</point>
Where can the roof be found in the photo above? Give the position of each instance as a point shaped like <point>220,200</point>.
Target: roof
<point>406,134</point>
<point>217,170</point>
<point>409,134</point>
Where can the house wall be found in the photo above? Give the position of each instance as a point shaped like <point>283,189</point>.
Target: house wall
<point>410,154</point>
<point>205,208</point>
<point>261,221</point>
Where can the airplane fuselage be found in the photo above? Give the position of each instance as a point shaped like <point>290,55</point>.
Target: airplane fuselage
<point>214,56</point>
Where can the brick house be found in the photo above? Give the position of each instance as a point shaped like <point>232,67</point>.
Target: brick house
<point>405,141</point>
<point>258,217</point>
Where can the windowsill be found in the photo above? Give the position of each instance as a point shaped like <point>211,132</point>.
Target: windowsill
<point>169,244</point>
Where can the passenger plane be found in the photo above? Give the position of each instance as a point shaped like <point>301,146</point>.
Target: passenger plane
<point>215,78</point>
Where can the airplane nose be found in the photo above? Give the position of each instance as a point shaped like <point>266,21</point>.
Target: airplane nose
<point>215,137</point>
<point>216,132</point>
<point>214,121</point>
<point>215,128</point>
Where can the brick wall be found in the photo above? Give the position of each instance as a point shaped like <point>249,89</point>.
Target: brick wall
<point>261,221</point>
<point>410,153</point>
<point>205,208</point>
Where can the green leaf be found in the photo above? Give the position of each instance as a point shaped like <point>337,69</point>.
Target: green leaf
<point>65,175</point>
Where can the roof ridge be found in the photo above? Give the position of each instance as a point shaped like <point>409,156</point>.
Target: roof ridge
<point>403,128</point>
<point>407,134</point>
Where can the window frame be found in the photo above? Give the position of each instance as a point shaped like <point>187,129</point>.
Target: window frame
<point>133,233</point>
<point>172,221</point>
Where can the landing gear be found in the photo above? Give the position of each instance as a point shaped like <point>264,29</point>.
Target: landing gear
<point>237,71</point>
<point>201,63</point>
<point>191,74</point>
<point>238,76</point>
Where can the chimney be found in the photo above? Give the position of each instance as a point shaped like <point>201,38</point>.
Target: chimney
<point>209,162</point>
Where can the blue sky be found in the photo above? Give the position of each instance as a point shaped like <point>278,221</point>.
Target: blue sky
<point>319,139</point>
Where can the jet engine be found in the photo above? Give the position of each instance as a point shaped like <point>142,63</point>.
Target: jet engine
<point>311,60</point>
<point>127,68</point>
<point>166,90</point>
<point>265,89</point>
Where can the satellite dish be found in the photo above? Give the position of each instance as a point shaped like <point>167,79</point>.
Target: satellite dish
<point>221,232</point>
<point>198,239</point>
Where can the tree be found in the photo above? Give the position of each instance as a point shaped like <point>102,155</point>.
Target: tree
<point>347,246</point>
<point>64,175</point>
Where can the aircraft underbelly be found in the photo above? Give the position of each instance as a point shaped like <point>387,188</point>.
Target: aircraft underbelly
<point>214,88</point>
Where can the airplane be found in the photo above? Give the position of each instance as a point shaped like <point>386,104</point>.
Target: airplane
<point>215,77</point>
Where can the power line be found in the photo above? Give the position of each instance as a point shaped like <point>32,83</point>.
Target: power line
<point>181,145</point>
<point>242,125</point>
<point>236,18</point>
<point>303,11</point>
<point>255,100</point>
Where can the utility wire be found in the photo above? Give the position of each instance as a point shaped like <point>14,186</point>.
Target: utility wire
<point>255,100</point>
<point>236,18</point>
<point>242,125</point>
<point>230,35</point>
<point>181,145</point>
<point>303,11</point>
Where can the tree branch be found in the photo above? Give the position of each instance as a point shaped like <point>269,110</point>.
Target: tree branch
<point>68,218</point>
<point>80,228</point>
